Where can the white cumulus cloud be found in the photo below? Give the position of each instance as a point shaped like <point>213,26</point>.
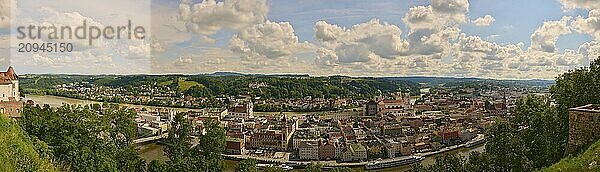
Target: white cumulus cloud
<point>209,16</point>
<point>484,21</point>
<point>268,40</point>
<point>582,4</point>
<point>590,25</point>
<point>545,37</point>
<point>5,12</point>
<point>360,43</point>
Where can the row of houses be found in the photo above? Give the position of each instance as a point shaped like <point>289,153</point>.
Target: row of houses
<point>324,150</point>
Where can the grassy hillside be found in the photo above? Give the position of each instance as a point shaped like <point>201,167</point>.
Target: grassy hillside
<point>184,85</point>
<point>17,152</point>
<point>587,161</point>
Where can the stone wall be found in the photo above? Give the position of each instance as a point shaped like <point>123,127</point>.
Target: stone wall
<point>584,128</point>
<point>11,109</point>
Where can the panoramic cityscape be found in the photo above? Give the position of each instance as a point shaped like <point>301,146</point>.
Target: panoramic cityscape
<point>284,85</point>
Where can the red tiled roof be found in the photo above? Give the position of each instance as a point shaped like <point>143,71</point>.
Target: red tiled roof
<point>8,76</point>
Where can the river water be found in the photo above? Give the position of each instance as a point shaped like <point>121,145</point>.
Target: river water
<point>56,101</point>
<point>154,151</point>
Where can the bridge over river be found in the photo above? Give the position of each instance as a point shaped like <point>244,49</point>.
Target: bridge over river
<point>150,139</point>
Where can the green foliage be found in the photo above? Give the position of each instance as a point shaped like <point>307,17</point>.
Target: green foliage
<point>211,86</point>
<point>20,153</point>
<point>184,85</point>
<point>247,165</point>
<point>314,167</point>
<point>84,139</point>
<point>534,138</point>
<point>204,157</point>
<point>341,169</point>
<point>578,87</point>
<point>587,161</point>
<point>573,89</point>
<point>157,166</point>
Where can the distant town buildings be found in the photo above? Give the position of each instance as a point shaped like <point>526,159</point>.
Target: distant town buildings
<point>328,129</point>
<point>242,110</point>
<point>236,146</point>
<point>309,150</point>
<point>584,126</point>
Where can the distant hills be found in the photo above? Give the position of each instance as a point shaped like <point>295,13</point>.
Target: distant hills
<point>410,80</point>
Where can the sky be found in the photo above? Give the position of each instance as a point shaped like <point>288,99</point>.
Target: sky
<point>508,39</point>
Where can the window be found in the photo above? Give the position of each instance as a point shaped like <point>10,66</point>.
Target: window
<point>591,118</point>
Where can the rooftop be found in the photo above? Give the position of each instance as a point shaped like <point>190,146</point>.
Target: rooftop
<point>588,108</point>
<point>8,76</point>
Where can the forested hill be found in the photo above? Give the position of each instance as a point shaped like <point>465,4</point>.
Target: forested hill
<point>268,86</point>
<point>432,81</point>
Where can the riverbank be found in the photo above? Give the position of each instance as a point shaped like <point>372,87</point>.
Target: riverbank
<point>57,101</point>
<point>353,164</point>
<point>154,151</point>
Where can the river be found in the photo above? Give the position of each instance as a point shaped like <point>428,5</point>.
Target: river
<point>154,151</point>
<point>56,101</point>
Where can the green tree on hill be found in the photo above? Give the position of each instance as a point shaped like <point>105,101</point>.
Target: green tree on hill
<point>247,165</point>
<point>205,156</point>
<point>84,139</point>
<point>573,89</point>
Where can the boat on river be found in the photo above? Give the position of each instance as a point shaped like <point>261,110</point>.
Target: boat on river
<point>393,163</point>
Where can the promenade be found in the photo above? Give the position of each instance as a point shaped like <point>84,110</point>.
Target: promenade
<point>353,164</point>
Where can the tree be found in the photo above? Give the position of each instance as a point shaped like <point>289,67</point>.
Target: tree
<point>479,162</point>
<point>157,166</point>
<point>314,167</point>
<point>341,169</point>
<point>572,89</point>
<point>204,157</point>
<point>247,165</point>
<point>212,144</point>
<point>85,139</point>
<point>179,148</point>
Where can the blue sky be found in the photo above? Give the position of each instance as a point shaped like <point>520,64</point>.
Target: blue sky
<point>481,38</point>
<point>516,20</point>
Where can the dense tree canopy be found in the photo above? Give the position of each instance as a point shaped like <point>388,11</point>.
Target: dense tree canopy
<point>85,139</point>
